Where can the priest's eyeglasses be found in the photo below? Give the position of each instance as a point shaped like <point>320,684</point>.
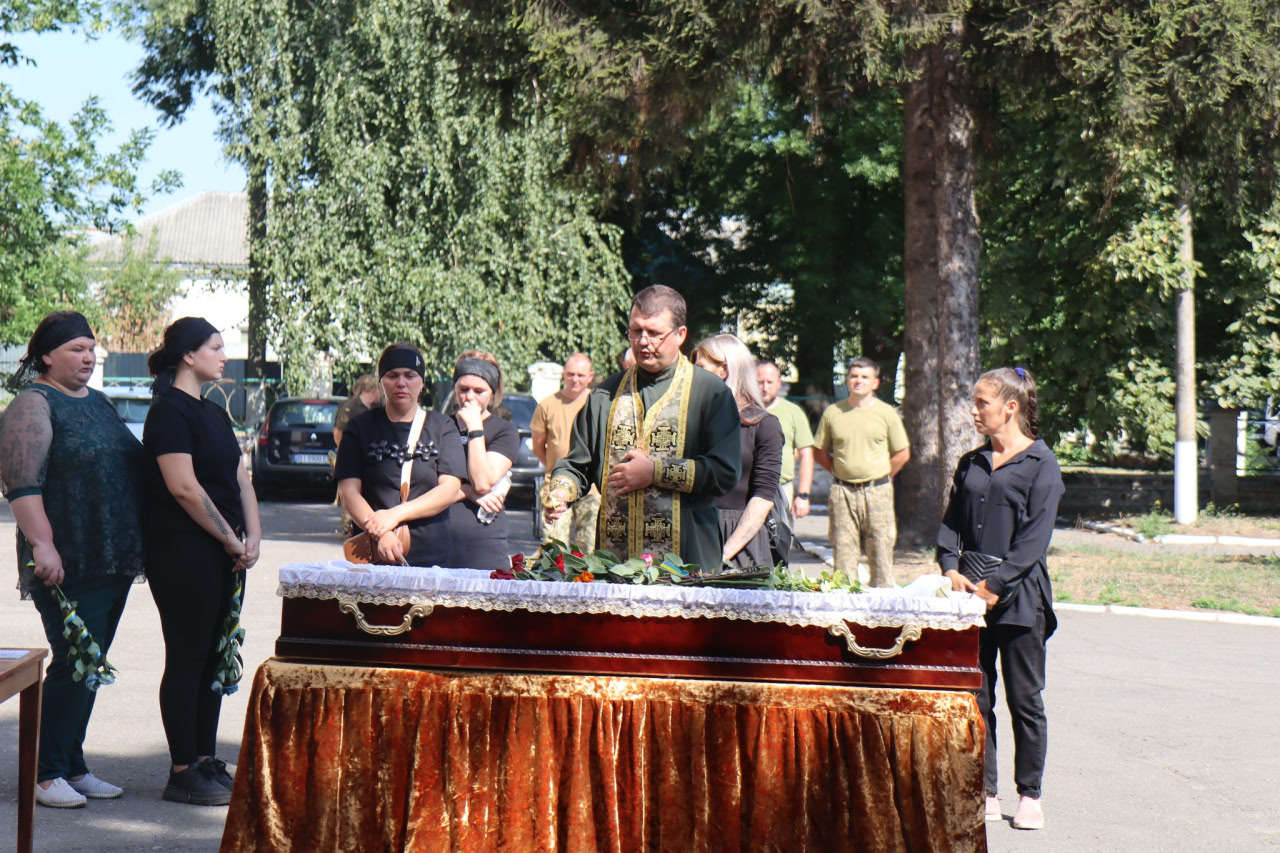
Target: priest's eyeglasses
<point>640,336</point>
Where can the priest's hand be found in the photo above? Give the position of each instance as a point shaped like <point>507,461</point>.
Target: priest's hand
<point>633,473</point>
<point>554,505</point>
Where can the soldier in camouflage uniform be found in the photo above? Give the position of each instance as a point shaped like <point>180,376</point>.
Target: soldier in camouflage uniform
<point>862,442</point>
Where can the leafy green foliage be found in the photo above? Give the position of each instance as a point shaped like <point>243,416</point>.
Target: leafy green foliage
<point>785,226</point>
<point>53,182</point>
<point>132,297</point>
<point>408,202</point>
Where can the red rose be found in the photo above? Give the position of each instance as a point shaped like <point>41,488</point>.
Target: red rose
<point>560,562</point>
<point>576,553</point>
<point>517,562</point>
<point>502,575</point>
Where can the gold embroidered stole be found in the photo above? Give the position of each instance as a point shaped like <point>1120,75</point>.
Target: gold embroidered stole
<point>647,520</point>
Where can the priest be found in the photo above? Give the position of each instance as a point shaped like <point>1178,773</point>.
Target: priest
<point>659,439</point>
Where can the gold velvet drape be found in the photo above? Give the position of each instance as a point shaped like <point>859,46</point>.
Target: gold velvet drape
<point>354,758</point>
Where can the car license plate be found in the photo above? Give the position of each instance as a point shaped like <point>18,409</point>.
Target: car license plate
<point>310,459</point>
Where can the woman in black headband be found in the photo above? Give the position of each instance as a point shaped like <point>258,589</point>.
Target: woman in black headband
<point>994,542</point>
<point>478,522</point>
<point>375,446</point>
<point>73,474</point>
<point>203,533</point>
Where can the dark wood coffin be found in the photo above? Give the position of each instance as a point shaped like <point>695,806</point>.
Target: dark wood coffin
<point>425,633</point>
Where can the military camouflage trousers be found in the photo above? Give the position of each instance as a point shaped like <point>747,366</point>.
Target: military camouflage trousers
<point>578,525</point>
<point>861,521</point>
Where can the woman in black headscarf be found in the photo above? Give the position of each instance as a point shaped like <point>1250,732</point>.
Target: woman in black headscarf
<point>203,533</point>
<point>371,458</point>
<point>73,474</point>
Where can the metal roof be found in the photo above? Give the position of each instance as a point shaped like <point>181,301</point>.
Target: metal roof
<point>210,230</point>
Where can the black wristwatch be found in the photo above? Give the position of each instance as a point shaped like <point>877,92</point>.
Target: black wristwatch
<point>803,496</point>
<point>475,433</point>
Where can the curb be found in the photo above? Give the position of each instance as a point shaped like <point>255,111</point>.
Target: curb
<point>823,553</point>
<point>1172,538</point>
<point>1225,616</point>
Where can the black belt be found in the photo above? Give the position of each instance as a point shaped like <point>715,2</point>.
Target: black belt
<point>883,481</point>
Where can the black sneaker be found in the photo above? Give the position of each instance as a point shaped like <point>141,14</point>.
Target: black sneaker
<point>218,769</point>
<point>196,785</point>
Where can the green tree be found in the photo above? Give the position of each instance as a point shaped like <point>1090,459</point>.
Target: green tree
<point>406,202</point>
<point>1175,106</point>
<point>55,182</point>
<point>132,295</point>
<point>789,223</point>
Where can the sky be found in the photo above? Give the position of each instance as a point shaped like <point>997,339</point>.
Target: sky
<point>70,69</point>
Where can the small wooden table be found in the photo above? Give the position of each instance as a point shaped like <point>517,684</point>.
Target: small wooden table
<point>24,675</point>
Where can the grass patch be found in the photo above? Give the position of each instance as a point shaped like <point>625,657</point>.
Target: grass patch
<point>1154,523</point>
<point>1168,580</point>
<point>1211,520</point>
<point>1232,605</point>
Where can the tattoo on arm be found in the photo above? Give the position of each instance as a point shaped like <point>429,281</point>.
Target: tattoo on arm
<point>215,516</point>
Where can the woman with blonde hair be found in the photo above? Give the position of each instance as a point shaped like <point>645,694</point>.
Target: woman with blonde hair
<point>994,542</point>
<point>743,511</point>
<point>478,524</point>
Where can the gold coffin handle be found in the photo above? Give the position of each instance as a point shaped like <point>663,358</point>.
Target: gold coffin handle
<point>907,634</point>
<point>348,604</point>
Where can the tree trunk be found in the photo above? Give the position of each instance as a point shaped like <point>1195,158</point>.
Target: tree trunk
<point>916,487</point>
<point>1185,455</point>
<point>958,247</point>
<point>941,281</point>
<point>256,368</point>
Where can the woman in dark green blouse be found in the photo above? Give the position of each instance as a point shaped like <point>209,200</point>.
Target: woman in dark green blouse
<point>73,474</point>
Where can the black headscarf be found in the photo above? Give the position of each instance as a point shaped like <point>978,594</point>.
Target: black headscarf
<point>66,326</point>
<point>181,337</point>
<point>477,367</point>
<point>396,358</point>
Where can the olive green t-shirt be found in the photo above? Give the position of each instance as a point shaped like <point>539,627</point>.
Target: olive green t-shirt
<point>861,440</point>
<point>796,434</point>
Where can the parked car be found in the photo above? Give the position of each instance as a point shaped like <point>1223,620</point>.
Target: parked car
<point>294,443</point>
<point>527,469</point>
<point>132,403</point>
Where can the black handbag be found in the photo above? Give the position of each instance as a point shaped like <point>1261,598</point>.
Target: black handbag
<point>779,525</point>
<point>977,566</point>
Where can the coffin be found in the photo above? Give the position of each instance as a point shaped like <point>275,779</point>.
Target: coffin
<point>460,619</point>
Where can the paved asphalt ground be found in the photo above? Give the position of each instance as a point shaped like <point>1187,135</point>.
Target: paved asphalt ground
<point>1165,733</point>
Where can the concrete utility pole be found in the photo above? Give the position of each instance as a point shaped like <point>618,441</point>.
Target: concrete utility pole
<point>1185,456</point>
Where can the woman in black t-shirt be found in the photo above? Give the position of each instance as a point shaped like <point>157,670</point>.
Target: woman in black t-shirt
<point>370,458</point>
<point>744,510</point>
<point>478,522</point>
<point>202,532</point>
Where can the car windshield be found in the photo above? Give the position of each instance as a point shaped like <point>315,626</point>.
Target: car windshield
<point>521,409</point>
<point>303,413</point>
<point>132,411</point>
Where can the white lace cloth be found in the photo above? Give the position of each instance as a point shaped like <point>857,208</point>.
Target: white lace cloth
<point>926,602</point>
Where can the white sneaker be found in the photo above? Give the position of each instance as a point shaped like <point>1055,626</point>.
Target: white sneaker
<point>59,795</point>
<point>94,788</point>
<point>993,808</point>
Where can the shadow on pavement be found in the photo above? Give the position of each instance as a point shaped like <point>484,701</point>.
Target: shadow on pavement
<point>139,820</point>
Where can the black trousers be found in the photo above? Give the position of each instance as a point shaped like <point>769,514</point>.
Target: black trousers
<point>191,581</point>
<point>1022,658</point>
